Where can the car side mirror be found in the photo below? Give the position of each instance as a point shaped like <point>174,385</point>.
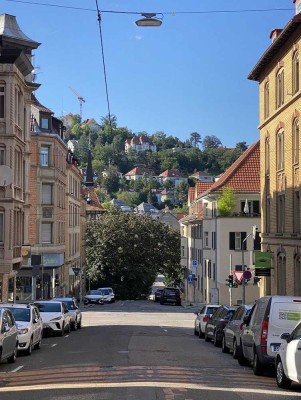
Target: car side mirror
<point>246,320</point>
<point>285,336</point>
<point>5,329</point>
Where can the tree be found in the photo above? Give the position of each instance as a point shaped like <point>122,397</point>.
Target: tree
<point>181,193</point>
<point>195,139</point>
<point>127,250</point>
<point>241,146</point>
<point>226,202</point>
<point>211,142</point>
<point>110,181</point>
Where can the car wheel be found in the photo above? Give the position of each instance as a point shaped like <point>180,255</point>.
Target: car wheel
<point>101,302</point>
<point>282,380</point>
<point>13,357</point>
<point>79,324</point>
<point>62,332</point>
<point>39,344</point>
<point>69,327</point>
<point>234,349</point>
<point>207,339</point>
<point>240,356</point>
<point>216,342</point>
<point>257,365</point>
<point>195,331</point>
<point>74,325</point>
<point>201,334</point>
<point>225,349</point>
<point>30,347</point>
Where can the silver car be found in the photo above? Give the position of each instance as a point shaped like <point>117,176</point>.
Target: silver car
<point>76,315</point>
<point>30,326</point>
<point>202,316</point>
<point>8,336</point>
<point>232,331</point>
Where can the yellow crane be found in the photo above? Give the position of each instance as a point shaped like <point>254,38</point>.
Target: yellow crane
<point>81,101</point>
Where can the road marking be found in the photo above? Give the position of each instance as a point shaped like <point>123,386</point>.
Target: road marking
<point>18,368</point>
<point>66,336</point>
<point>54,344</point>
<point>174,385</point>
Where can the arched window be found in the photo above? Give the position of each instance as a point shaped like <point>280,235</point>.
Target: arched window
<point>297,275</point>
<point>295,140</point>
<point>295,72</point>
<point>267,156</point>
<point>280,88</point>
<point>280,149</point>
<point>281,274</point>
<point>266,100</point>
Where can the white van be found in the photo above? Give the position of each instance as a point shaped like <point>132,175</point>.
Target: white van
<point>260,336</point>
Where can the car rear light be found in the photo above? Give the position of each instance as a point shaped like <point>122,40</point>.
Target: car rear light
<point>264,335</point>
<point>206,317</point>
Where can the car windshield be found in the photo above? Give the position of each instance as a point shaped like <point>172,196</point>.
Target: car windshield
<point>105,291</point>
<point>70,304</point>
<point>210,310</point>
<point>49,307</point>
<point>21,314</point>
<point>94,292</point>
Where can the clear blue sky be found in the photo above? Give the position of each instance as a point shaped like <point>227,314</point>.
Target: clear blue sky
<point>188,75</point>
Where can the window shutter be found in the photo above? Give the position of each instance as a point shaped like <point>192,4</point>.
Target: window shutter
<point>256,207</point>
<point>46,194</point>
<point>243,243</point>
<point>231,240</point>
<point>46,233</point>
<point>257,242</point>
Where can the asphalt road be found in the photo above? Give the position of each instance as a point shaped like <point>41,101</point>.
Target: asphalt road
<point>134,350</point>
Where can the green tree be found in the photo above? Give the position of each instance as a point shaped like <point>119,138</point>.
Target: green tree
<point>195,139</point>
<point>241,146</point>
<point>226,202</point>
<point>212,142</point>
<point>181,193</point>
<point>126,251</point>
<point>110,181</point>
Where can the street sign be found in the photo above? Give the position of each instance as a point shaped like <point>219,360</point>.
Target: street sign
<point>247,274</point>
<point>75,270</point>
<point>194,263</point>
<point>238,275</point>
<point>263,272</point>
<point>190,278</point>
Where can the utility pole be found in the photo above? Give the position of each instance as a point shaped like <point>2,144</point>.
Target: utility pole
<point>253,233</point>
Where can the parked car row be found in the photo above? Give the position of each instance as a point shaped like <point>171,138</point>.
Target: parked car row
<point>100,296</point>
<point>24,325</point>
<point>266,335</point>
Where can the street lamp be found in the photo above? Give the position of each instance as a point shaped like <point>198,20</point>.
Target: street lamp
<point>148,20</point>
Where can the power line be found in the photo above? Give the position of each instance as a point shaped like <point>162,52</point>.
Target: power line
<point>172,13</point>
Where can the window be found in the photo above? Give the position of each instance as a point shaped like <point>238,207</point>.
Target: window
<point>253,207</point>
<point>268,214</point>
<point>2,155</point>
<point>295,72</point>
<point>267,156</point>
<point>280,150</point>
<point>45,156</point>
<point>266,100</point>
<point>45,123</point>
<point>206,239</point>
<point>280,88</point>
<point>280,212</point>
<point>295,141</point>
<point>213,240</point>
<point>297,277</point>
<point>18,170</point>
<point>1,226</point>
<point>46,193</point>
<point>183,251</point>
<point>18,107</point>
<point>46,232</point>
<point>281,274</point>
<point>2,101</point>
<point>296,210</point>
<point>236,240</point>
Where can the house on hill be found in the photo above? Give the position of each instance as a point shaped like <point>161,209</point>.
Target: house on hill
<point>137,173</point>
<point>140,143</point>
<point>173,175</point>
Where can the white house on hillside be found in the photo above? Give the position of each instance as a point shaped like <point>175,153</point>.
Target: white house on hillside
<point>140,143</point>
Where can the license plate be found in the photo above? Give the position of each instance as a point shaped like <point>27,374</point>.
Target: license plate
<point>275,349</point>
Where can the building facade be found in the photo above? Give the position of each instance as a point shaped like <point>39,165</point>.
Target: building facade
<point>278,75</point>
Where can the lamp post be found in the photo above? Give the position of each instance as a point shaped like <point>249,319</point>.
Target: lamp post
<point>149,20</point>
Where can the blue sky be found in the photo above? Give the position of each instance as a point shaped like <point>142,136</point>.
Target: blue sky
<point>188,75</point>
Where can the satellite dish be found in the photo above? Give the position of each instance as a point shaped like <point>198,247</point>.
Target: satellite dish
<point>6,175</point>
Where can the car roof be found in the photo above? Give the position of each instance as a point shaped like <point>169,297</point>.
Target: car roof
<point>16,305</point>
<point>47,301</point>
<point>62,299</point>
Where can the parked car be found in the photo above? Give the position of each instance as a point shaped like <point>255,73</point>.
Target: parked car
<point>8,336</point>
<point>55,315</point>
<point>76,315</point>
<point>170,295</point>
<point>216,324</point>
<point>232,330</point>
<point>157,295</point>
<point>288,359</point>
<point>202,317</point>
<point>260,337</point>
<point>30,326</point>
<point>108,294</point>
<point>94,297</point>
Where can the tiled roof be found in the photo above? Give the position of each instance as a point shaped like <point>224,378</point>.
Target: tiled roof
<point>188,218</point>
<point>201,187</point>
<point>39,106</point>
<point>243,175</point>
<point>191,194</point>
<point>199,174</point>
<point>138,171</point>
<point>171,173</point>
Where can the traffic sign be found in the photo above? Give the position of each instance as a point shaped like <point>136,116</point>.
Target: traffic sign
<point>247,274</point>
<point>76,270</point>
<point>194,263</point>
<point>238,275</point>
<point>190,278</point>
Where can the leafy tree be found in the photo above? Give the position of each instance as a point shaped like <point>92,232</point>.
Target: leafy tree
<point>110,182</point>
<point>195,139</point>
<point>212,142</point>
<point>181,193</point>
<point>226,202</point>
<point>127,250</point>
<point>241,146</point>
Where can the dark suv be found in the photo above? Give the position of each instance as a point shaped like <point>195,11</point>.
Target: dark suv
<point>170,295</point>
<point>215,325</point>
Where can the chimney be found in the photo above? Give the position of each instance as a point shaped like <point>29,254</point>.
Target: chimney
<point>275,33</point>
<point>298,6</point>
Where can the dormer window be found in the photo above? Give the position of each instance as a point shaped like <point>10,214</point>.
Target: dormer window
<point>45,123</point>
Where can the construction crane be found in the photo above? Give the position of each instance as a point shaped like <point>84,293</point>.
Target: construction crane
<point>81,101</point>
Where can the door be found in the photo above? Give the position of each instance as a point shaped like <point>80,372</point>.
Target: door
<point>9,335</point>
<point>293,355</point>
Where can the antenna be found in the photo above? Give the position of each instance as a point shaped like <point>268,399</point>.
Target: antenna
<point>81,101</point>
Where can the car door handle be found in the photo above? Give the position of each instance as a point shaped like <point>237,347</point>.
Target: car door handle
<point>299,348</point>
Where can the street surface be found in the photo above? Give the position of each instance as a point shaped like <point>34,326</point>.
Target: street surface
<point>134,350</point>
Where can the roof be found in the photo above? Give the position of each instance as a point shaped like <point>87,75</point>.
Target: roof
<point>39,106</point>
<point>188,218</point>
<point>138,171</point>
<point>243,176</point>
<point>275,47</point>
<point>147,208</point>
<point>191,194</point>
<point>171,173</point>
<point>201,187</point>
<point>94,204</point>
<point>199,174</point>
<point>10,29</point>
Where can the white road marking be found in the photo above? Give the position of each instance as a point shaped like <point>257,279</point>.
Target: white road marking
<point>66,336</point>
<point>174,385</point>
<point>54,344</point>
<point>18,368</point>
